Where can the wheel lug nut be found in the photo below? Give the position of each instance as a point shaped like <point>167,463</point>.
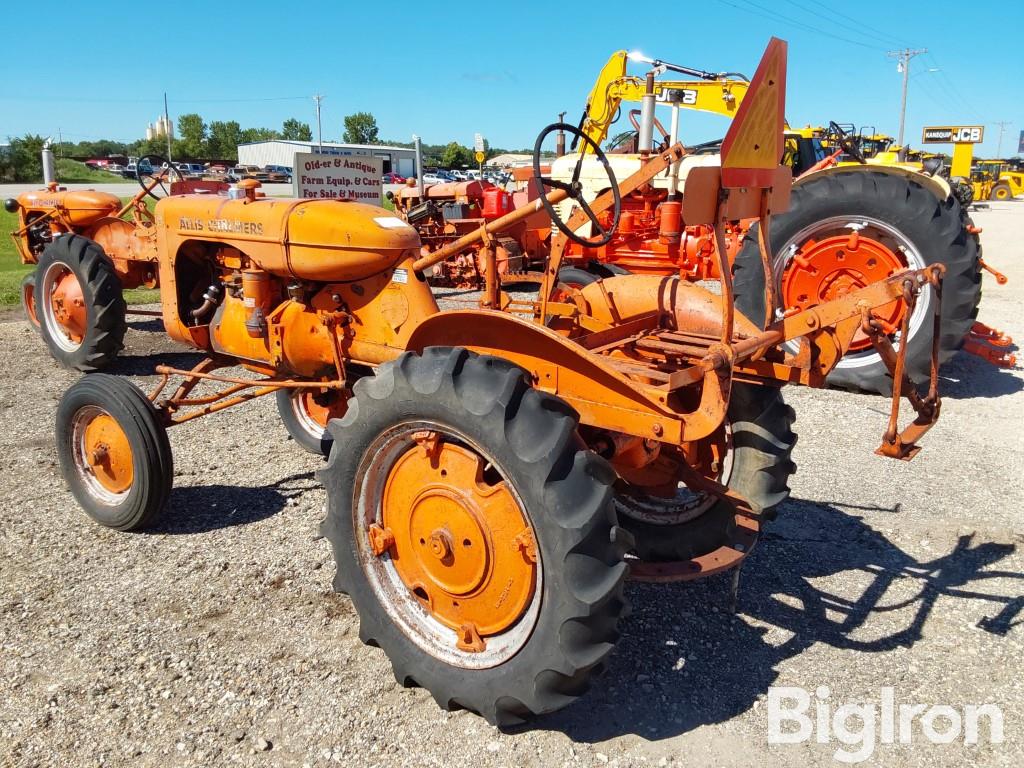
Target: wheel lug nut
<point>441,544</point>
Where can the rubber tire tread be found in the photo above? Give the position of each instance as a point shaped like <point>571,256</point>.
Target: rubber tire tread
<point>104,300</point>
<point>29,280</point>
<point>576,276</point>
<point>936,227</point>
<point>153,463</point>
<point>567,491</point>
<point>763,440</point>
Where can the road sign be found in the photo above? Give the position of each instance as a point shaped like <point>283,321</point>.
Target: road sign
<point>953,134</point>
<point>478,143</point>
<point>480,156</point>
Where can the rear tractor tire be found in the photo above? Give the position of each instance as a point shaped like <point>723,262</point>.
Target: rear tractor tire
<point>113,452</point>
<point>755,463</point>
<point>477,541</point>
<point>847,229</point>
<point>79,303</point>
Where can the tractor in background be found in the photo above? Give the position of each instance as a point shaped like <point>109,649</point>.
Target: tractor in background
<point>852,220</point>
<point>74,298</point>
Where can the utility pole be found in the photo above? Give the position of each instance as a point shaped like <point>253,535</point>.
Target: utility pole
<point>1002,127</point>
<point>903,58</point>
<point>319,127</point>
<point>167,125</point>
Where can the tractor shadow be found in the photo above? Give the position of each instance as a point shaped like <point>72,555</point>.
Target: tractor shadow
<point>967,376</point>
<point>685,660</point>
<point>204,508</point>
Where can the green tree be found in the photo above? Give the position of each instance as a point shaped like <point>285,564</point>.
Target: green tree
<point>192,130</point>
<point>259,134</point>
<point>457,156</point>
<point>25,162</point>
<point>222,143</point>
<point>295,130</point>
<point>360,128</point>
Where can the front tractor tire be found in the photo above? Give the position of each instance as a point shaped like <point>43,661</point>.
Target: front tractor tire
<point>305,413</point>
<point>847,229</point>
<point>113,452</point>
<point>79,303</point>
<point>476,539</point>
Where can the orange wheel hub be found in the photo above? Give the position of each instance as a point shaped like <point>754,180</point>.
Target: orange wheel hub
<point>460,544</point>
<point>68,304</point>
<point>108,454</point>
<point>822,270</point>
<point>321,408</point>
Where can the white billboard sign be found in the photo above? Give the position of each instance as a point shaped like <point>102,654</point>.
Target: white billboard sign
<point>338,177</point>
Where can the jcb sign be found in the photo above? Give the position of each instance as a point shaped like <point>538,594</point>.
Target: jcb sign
<point>954,134</point>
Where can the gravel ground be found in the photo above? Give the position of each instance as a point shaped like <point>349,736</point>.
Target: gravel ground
<point>216,639</point>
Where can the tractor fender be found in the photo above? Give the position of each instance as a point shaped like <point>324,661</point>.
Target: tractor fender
<point>601,394</point>
<point>934,184</point>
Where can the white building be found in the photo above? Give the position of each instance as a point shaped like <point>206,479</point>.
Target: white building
<point>401,160</point>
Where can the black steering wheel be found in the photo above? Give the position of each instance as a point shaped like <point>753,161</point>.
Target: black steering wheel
<point>160,170</point>
<point>574,189</point>
<point>846,142</point>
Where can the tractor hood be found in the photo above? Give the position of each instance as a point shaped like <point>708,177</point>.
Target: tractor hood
<point>81,206</point>
<point>320,240</point>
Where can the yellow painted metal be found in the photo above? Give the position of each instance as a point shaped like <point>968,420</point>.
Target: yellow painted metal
<point>614,86</point>
<point>963,156</point>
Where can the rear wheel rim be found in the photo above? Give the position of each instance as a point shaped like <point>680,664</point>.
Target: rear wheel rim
<point>63,307</point>
<point>102,454</point>
<point>463,550</point>
<point>683,505</point>
<point>872,240</point>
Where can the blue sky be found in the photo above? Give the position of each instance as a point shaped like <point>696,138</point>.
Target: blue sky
<point>449,70</point>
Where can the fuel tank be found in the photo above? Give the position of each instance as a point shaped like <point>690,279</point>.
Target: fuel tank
<point>82,207</point>
<point>319,240</point>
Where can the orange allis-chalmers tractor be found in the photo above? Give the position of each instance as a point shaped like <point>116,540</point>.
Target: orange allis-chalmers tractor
<point>493,473</point>
<point>82,315</point>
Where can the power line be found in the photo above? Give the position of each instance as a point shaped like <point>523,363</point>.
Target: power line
<point>954,91</point>
<point>841,18</point>
<point>84,100</point>
<point>767,13</point>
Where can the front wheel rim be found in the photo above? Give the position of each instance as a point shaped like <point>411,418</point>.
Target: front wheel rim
<point>103,455</point>
<point>476,577</point>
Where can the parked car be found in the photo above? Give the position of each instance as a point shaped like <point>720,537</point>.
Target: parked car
<point>392,178</point>
<point>283,172</point>
<point>131,171</point>
<point>240,172</point>
<point>437,177</point>
<point>190,171</point>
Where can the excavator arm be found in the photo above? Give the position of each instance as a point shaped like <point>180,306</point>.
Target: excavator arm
<point>720,96</point>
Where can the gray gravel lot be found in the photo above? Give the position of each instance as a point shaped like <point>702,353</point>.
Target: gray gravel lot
<point>216,640</point>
